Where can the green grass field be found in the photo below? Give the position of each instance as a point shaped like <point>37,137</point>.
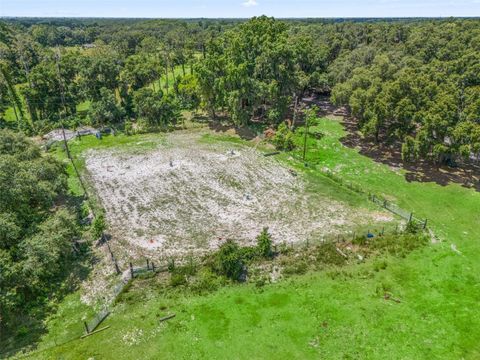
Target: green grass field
<point>335,314</point>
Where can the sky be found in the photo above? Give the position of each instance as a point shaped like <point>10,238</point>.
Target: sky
<point>239,8</point>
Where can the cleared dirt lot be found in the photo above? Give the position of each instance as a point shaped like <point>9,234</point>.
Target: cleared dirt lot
<point>187,196</point>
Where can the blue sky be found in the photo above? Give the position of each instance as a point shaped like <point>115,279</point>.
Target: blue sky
<point>239,8</point>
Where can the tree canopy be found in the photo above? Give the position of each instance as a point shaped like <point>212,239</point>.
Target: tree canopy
<point>36,231</point>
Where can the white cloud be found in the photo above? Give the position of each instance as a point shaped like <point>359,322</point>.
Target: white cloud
<point>250,3</point>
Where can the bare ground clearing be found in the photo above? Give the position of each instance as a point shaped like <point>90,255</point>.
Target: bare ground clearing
<point>187,196</point>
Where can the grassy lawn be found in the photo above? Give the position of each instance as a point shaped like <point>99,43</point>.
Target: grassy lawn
<point>335,314</point>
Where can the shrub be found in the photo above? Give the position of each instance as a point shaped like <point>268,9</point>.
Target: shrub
<point>264,244</point>
<point>412,228</point>
<point>189,269</point>
<point>229,260</point>
<point>178,279</point>
<point>99,226</point>
<point>128,128</point>
<point>206,282</point>
<point>296,268</point>
<point>328,254</point>
<point>283,139</point>
<point>248,253</point>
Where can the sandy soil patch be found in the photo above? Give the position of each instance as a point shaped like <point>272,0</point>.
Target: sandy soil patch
<point>187,196</point>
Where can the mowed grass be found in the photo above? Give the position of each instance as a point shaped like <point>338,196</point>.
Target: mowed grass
<point>336,314</point>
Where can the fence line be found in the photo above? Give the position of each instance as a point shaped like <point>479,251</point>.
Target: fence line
<point>118,288</point>
<point>378,200</point>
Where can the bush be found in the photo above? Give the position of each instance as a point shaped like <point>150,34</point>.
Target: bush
<point>178,279</point>
<point>328,254</point>
<point>128,128</point>
<point>264,244</point>
<point>206,282</point>
<point>189,269</point>
<point>229,260</point>
<point>296,268</point>
<point>99,226</point>
<point>412,228</point>
<point>283,139</point>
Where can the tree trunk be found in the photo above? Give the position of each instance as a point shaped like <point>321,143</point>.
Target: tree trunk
<point>166,77</point>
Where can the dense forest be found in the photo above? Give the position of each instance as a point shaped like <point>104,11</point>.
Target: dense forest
<point>412,82</point>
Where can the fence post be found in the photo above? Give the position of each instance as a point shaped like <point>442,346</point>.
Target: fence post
<point>131,270</point>
<point>425,224</point>
<point>86,327</point>
<point>148,265</point>
<point>411,217</point>
<point>153,266</point>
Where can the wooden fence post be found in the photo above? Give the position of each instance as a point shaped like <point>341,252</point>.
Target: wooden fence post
<point>131,270</point>
<point>148,265</point>
<point>153,266</point>
<point>411,217</point>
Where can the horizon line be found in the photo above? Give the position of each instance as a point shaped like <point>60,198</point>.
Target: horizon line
<point>243,18</point>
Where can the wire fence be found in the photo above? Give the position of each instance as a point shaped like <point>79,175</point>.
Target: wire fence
<point>92,325</point>
<point>118,288</point>
<point>376,199</point>
<point>398,210</point>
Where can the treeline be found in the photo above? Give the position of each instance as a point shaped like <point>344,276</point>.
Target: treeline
<point>419,85</point>
<point>414,83</point>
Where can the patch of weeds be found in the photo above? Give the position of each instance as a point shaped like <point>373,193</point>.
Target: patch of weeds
<point>399,245</point>
<point>264,244</point>
<point>296,267</point>
<point>206,281</point>
<point>380,265</point>
<point>261,281</point>
<point>327,254</point>
<point>177,279</point>
<point>283,249</point>
<point>360,240</point>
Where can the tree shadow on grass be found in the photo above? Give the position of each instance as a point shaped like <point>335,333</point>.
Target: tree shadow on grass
<point>421,171</point>
<point>29,326</point>
<point>390,153</point>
